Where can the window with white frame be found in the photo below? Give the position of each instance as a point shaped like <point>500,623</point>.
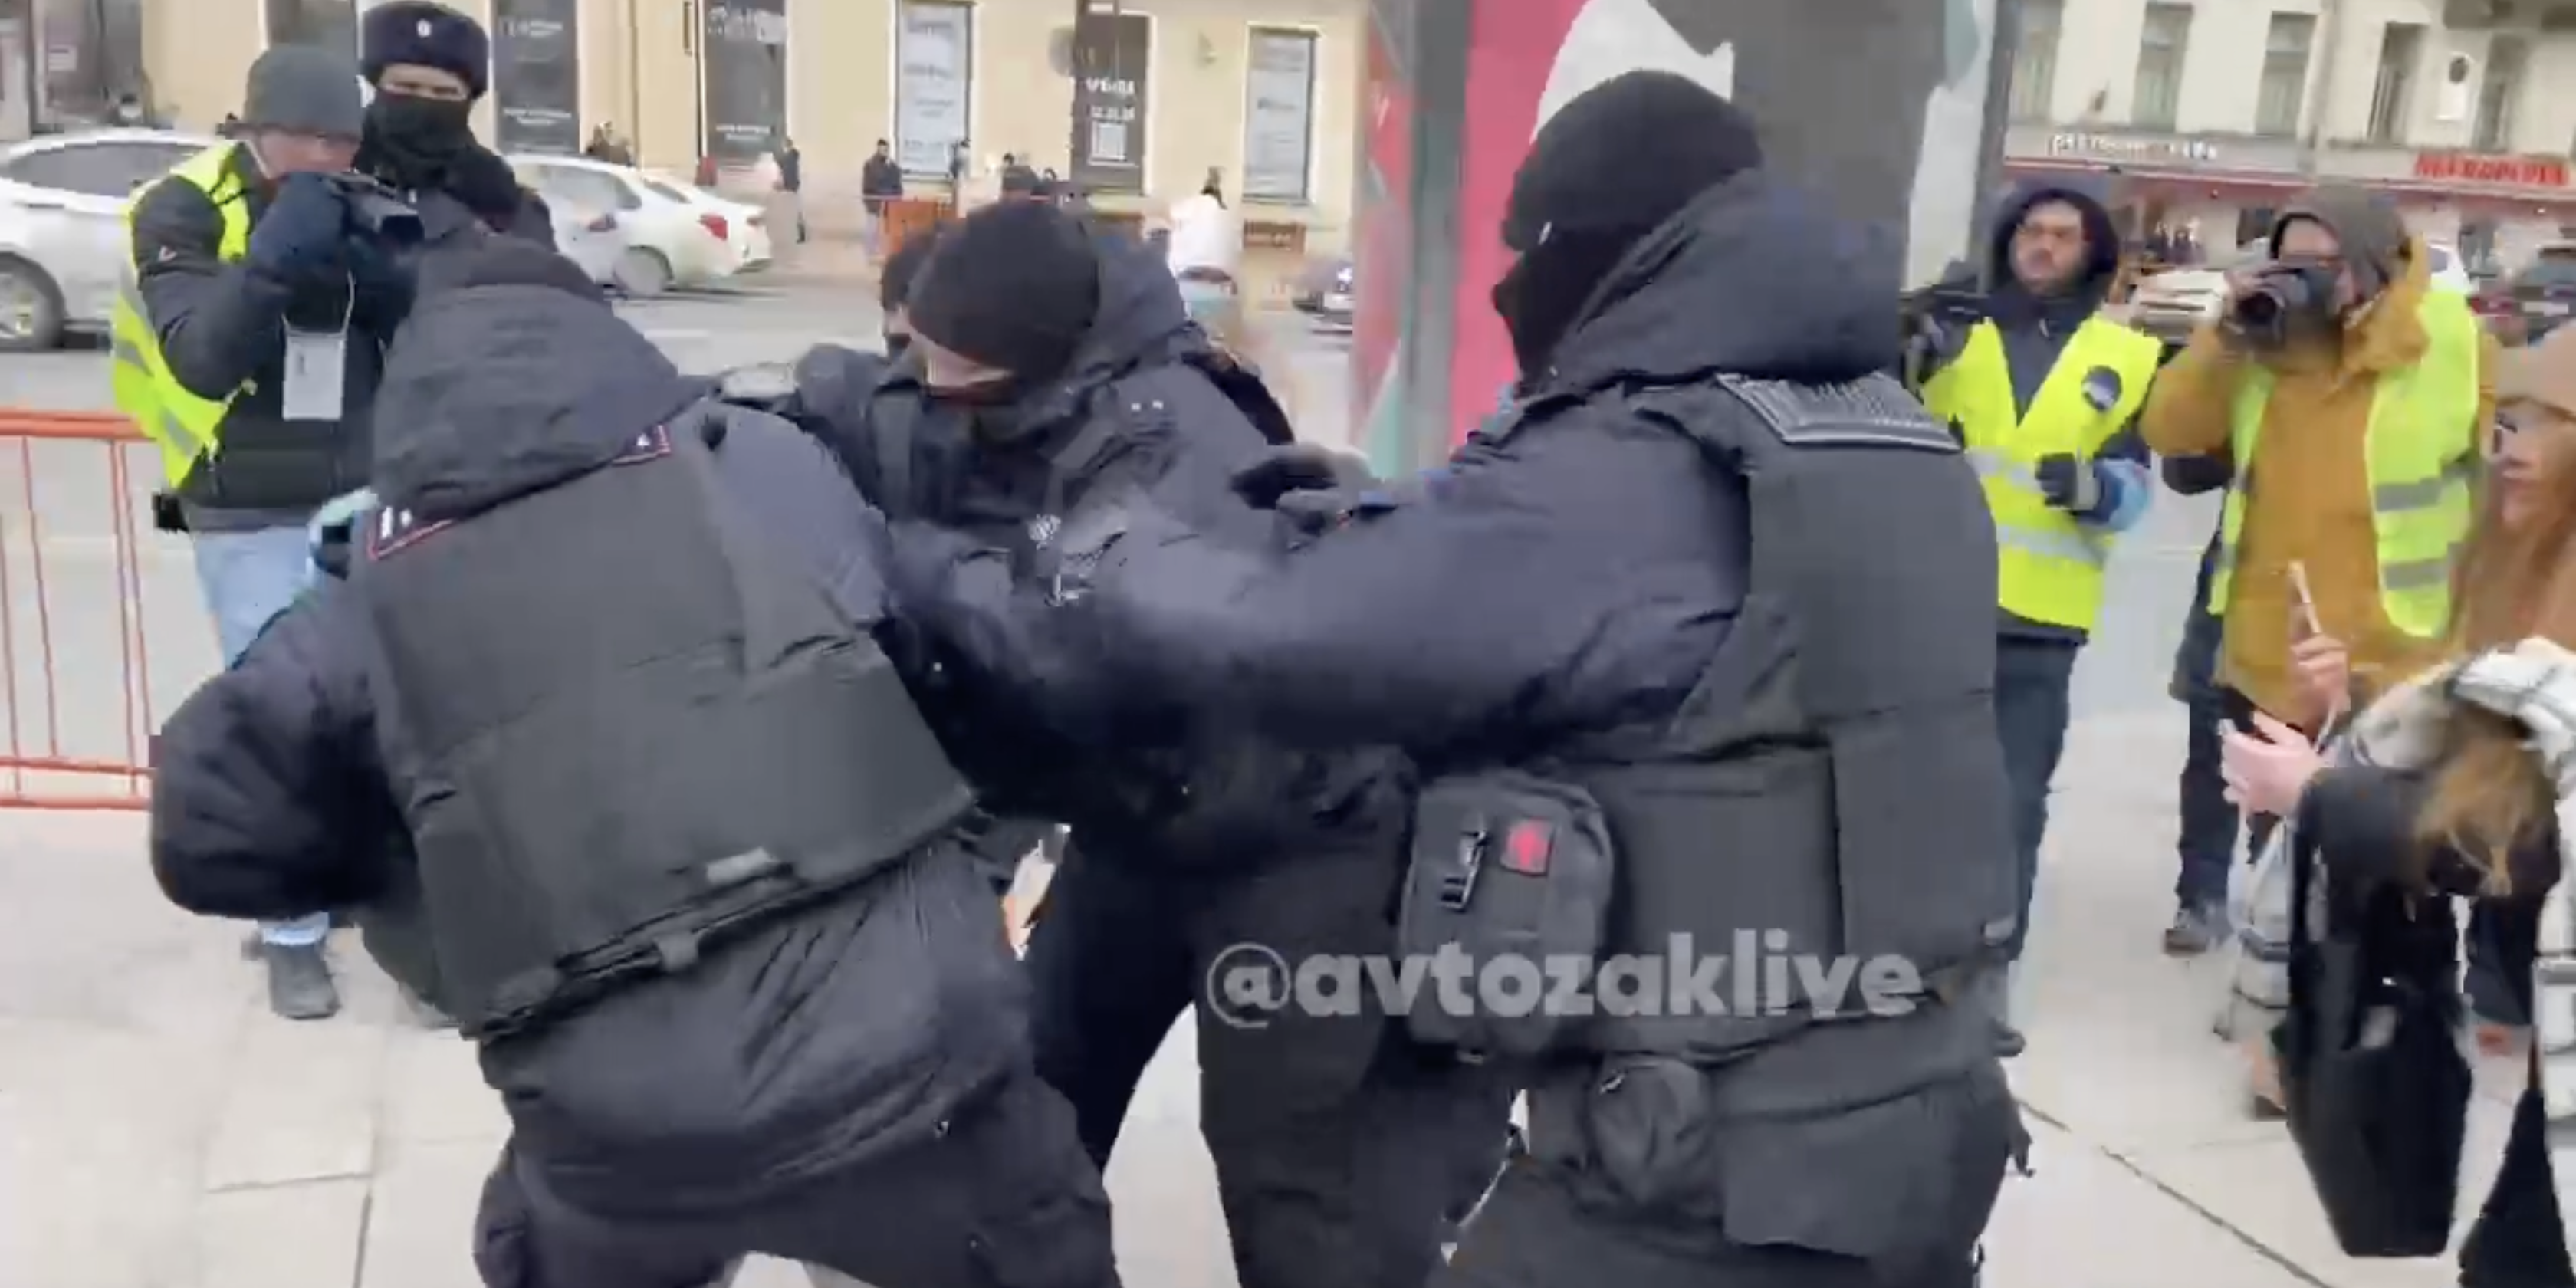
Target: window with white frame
<point>934,83</point>
<point>2499,93</point>
<point>2282,97</point>
<point>2162,44</point>
<point>2034,59</point>
<point>1279,116</point>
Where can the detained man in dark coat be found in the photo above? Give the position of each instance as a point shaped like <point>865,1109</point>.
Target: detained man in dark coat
<point>779,1016</point>
<point>1053,372</point>
<point>1704,628</point>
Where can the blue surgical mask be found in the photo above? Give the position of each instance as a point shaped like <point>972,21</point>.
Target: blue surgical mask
<point>1206,301</point>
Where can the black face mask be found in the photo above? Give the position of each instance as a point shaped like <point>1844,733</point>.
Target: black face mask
<point>1543,295</point>
<point>415,140</point>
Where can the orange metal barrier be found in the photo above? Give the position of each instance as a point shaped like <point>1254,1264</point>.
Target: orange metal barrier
<point>86,746</point>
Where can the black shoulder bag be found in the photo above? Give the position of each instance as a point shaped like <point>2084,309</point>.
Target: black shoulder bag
<point>2375,1083</point>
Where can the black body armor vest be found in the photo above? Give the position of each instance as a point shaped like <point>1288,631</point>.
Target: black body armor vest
<point>1833,790</point>
<point>633,730</point>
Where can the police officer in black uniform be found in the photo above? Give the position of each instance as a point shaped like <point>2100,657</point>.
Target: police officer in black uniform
<point>430,65</point>
<point>615,660</point>
<point>1051,372</point>
<point>1697,642</point>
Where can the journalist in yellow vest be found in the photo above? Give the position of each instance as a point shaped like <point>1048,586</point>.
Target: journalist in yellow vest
<point>247,345</point>
<point>2356,440</point>
<point>2040,389</point>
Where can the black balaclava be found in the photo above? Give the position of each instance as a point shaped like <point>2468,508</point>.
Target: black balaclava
<point>1610,167</point>
<point>1015,286</point>
<point>424,143</point>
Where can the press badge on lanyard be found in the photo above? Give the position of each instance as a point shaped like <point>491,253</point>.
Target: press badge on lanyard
<point>317,367</point>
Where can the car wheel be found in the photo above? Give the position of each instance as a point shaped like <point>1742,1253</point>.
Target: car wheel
<point>643,274</point>
<point>31,308</point>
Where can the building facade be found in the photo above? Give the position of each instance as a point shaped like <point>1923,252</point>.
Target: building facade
<point>2207,115</point>
<point>1137,99</point>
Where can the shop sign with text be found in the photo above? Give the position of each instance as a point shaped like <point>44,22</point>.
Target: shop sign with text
<point>2505,172</point>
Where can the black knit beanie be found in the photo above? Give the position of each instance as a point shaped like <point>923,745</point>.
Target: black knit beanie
<point>1014,285</point>
<point>425,35</point>
<point>1626,155</point>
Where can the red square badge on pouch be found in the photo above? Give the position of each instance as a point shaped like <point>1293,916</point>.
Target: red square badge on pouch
<point>1527,845</point>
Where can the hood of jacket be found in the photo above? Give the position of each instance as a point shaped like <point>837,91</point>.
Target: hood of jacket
<point>1752,279</point>
<point>2102,248</point>
<point>1141,323</point>
<point>494,392</point>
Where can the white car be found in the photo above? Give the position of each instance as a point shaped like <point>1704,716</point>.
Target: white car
<point>63,247</point>
<point>665,236</point>
<point>746,225</point>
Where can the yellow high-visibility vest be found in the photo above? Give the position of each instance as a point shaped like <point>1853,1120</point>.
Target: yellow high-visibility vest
<point>186,428</point>
<point>2051,565</point>
<point>2422,454</point>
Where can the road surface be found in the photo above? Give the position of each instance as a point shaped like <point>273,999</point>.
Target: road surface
<point>159,1130</point>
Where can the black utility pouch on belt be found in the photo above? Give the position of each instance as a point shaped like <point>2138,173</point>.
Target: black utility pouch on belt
<point>1505,865</point>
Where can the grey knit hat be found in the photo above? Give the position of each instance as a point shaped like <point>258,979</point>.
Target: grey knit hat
<point>2373,234</point>
<point>302,89</point>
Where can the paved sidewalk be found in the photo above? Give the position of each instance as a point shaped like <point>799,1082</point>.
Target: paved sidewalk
<point>159,1130</point>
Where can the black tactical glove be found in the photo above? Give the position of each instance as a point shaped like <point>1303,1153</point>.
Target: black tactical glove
<point>1283,472</point>
<point>2071,483</point>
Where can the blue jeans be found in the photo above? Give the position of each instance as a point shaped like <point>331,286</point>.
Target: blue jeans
<point>250,577</point>
<point>2034,698</point>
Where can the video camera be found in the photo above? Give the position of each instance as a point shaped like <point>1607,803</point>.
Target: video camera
<point>2285,296</point>
<point>1937,319</point>
<point>376,209</point>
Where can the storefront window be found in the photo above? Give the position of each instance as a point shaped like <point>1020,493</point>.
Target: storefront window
<point>536,75</point>
<point>744,56</point>
<point>1112,56</point>
<point>1279,116</point>
<point>934,83</point>
<point>92,57</point>
<point>332,24</point>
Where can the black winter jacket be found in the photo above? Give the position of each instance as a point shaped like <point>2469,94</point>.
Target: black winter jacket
<point>778,1057</point>
<point>1147,408</point>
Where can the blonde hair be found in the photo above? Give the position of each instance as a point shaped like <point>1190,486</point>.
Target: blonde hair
<point>2512,583</point>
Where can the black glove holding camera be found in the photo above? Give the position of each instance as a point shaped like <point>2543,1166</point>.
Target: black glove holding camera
<point>2281,302</point>
<point>1937,320</point>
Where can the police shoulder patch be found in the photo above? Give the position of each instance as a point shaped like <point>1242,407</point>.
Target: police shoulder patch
<point>1874,411</point>
<point>395,528</point>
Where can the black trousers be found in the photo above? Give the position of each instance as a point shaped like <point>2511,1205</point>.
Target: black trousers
<point>1005,1197</point>
<point>1339,1147</point>
<point>1555,1221</point>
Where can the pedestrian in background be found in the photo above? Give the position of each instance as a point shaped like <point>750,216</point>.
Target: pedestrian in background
<point>790,164</point>
<point>880,183</point>
<point>2206,843</point>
